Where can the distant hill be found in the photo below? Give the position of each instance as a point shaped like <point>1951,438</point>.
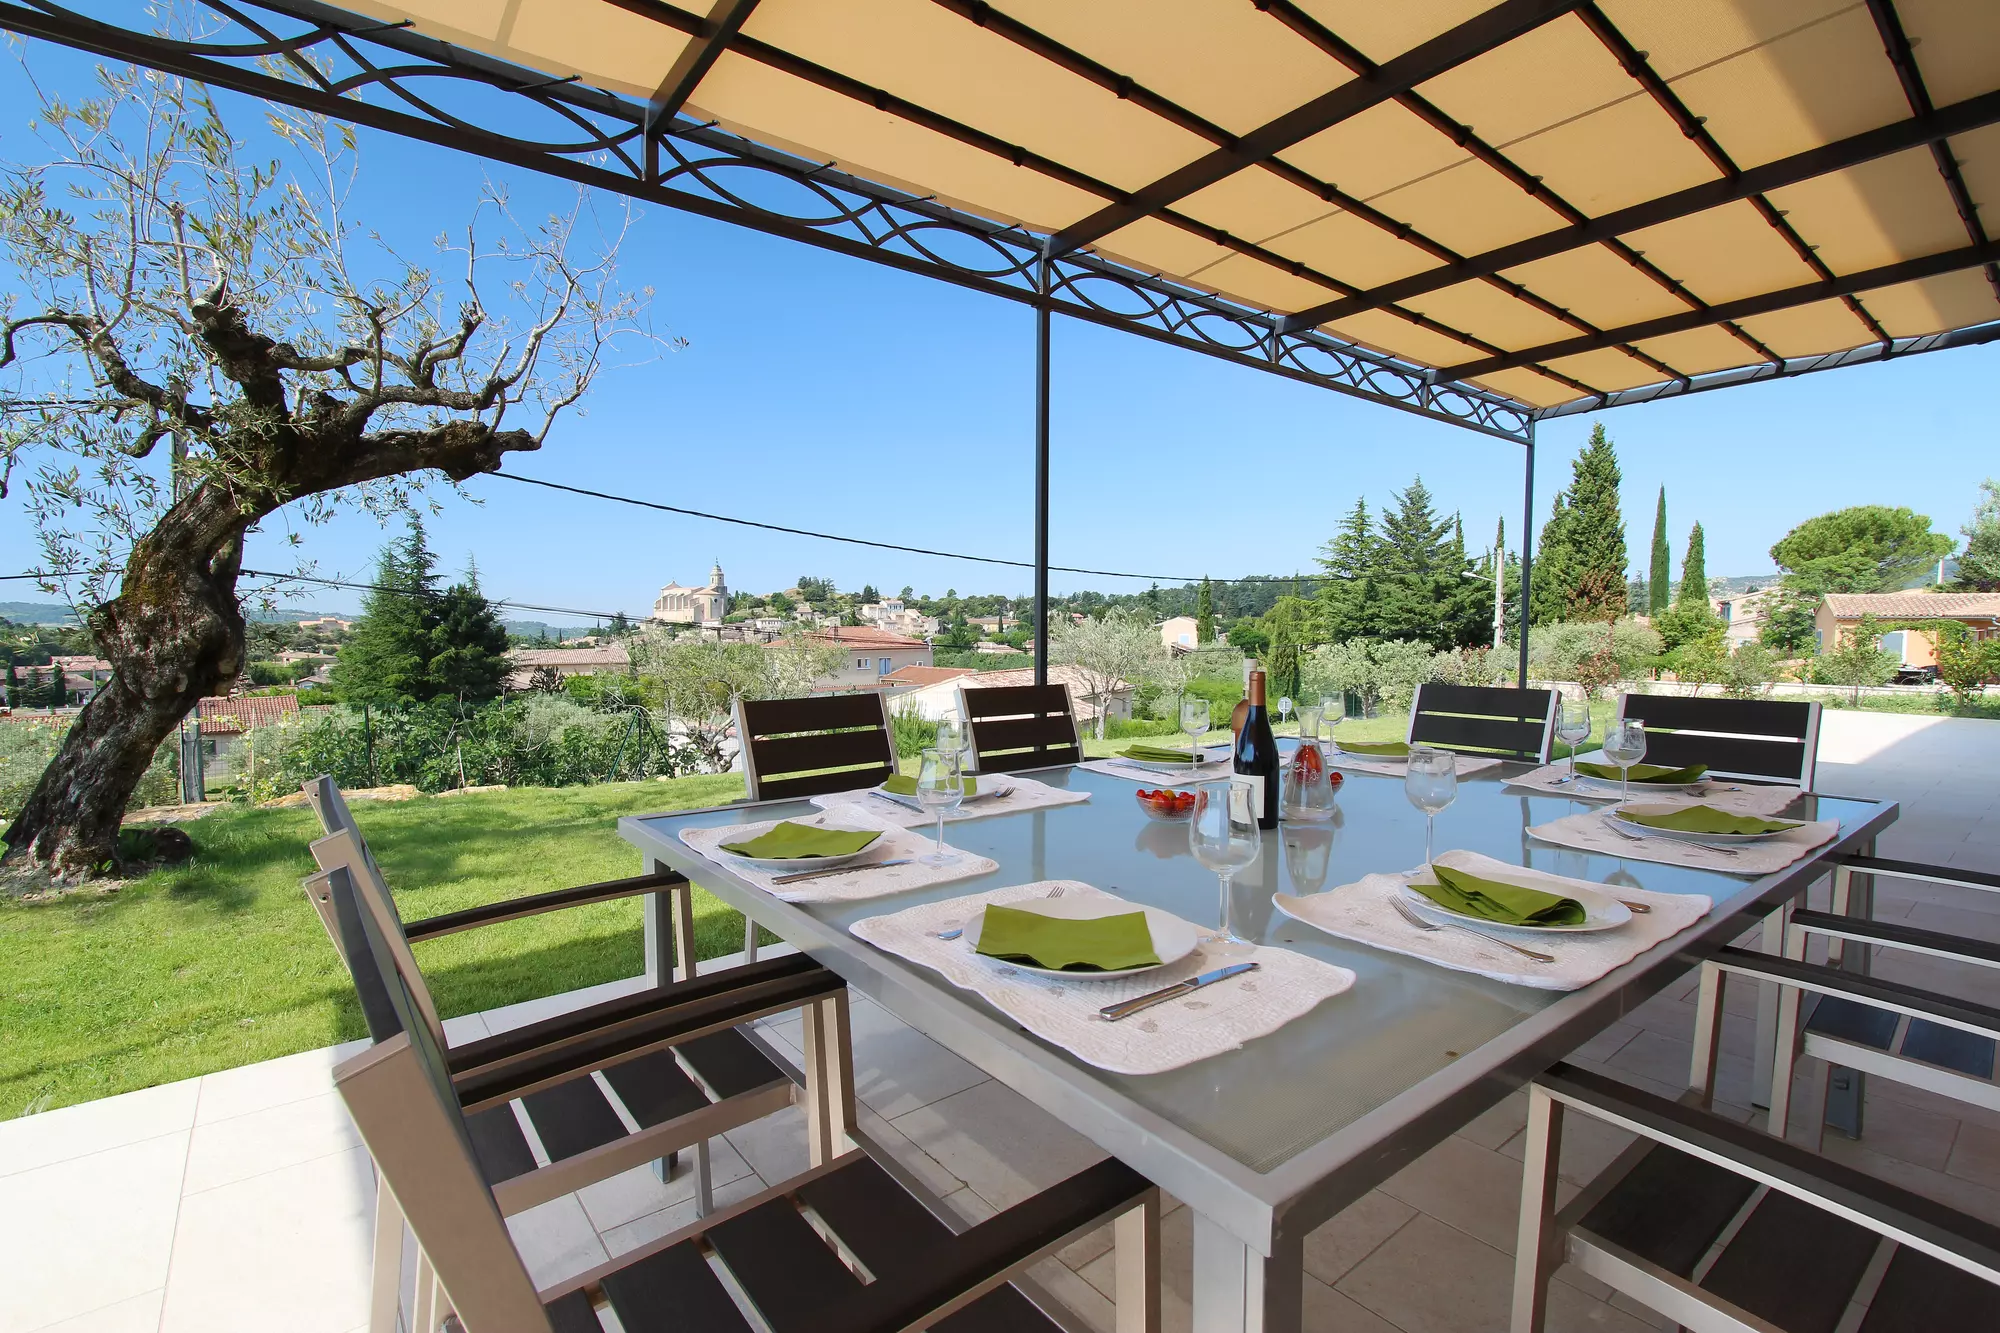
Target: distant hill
<point>36,613</point>
<point>535,629</point>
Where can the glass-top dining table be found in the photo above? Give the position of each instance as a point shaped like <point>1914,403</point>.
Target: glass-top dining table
<point>1267,1141</point>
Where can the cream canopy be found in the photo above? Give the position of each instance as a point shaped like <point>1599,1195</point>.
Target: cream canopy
<point>1554,201</point>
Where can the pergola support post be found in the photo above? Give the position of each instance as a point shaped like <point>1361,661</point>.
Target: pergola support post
<point>1042,474</point>
<point>1527,550</point>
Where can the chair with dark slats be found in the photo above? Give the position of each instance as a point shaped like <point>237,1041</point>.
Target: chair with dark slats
<point>1020,726</point>
<point>1494,721</point>
<point>846,1247</point>
<point>1765,740</point>
<point>1718,1226</point>
<point>806,747</point>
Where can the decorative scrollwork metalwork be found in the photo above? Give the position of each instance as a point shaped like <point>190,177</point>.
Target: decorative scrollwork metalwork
<point>328,60</point>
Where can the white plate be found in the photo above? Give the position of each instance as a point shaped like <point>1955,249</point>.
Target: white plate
<point>788,863</point>
<point>1173,938</point>
<point>988,789</point>
<point>1615,815</point>
<point>1613,784</point>
<point>1178,766</point>
<point>1600,912</point>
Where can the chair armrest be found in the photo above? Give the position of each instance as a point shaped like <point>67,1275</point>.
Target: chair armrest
<point>1952,875</point>
<point>979,1259</point>
<point>1868,1201</point>
<point>1895,935</point>
<point>1913,1000</point>
<point>534,904</point>
<point>517,1063</point>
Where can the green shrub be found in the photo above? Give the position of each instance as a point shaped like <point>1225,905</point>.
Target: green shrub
<point>27,746</point>
<point>1118,728</point>
<point>913,734</point>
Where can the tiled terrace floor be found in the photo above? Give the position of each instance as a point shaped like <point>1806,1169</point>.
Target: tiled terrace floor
<point>242,1200</point>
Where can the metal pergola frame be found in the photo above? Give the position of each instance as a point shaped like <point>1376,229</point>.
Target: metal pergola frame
<point>323,59</point>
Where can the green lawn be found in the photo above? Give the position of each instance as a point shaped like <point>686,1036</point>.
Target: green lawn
<point>222,962</point>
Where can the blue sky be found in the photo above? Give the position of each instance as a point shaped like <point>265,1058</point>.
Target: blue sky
<point>826,392</point>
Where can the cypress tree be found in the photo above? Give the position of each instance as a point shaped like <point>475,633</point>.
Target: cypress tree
<point>58,687</point>
<point>1659,584</point>
<point>1580,570</point>
<point>1551,580</point>
<point>13,686</point>
<point>1694,572</point>
<point>1204,612</point>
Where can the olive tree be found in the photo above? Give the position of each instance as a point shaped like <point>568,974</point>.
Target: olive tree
<point>1108,655</point>
<point>197,338</point>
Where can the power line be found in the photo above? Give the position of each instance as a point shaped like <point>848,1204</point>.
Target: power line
<point>376,587</point>
<point>862,541</point>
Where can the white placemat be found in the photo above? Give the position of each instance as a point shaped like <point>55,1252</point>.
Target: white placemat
<point>1023,794</point>
<point>1589,831</point>
<point>895,843</point>
<point>1213,771</point>
<point>1741,797</point>
<point>1203,1023</point>
<point>1362,912</point>
<point>1468,764</point>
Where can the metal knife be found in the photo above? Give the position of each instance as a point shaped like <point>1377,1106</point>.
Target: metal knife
<point>1127,1008</point>
<point>838,870</point>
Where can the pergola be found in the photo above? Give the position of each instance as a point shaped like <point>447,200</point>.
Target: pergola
<point>1483,213</point>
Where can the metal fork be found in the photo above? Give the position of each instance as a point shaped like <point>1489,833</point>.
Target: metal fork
<point>956,931</point>
<point>1409,914</point>
<point>1654,837</point>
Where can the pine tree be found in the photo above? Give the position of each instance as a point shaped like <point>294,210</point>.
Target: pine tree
<point>1204,612</point>
<point>1580,566</point>
<point>468,646</point>
<point>58,687</point>
<point>13,685</point>
<point>1694,572</point>
<point>1351,558</point>
<point>1414,554</point>
<point>387,658</point>
<point>1659,584</point>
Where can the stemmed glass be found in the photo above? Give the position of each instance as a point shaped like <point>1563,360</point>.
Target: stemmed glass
<point>950,737</point>
<point>1625,745</point>
<point>1572,727</point>
<point>1431,783</point>
<point>1223,836</point>
<point>1332,712</point>
<point>940,788</point>
<point>1194,721</point>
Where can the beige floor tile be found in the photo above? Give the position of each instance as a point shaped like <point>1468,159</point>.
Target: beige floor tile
<point>1975,1155</point>
<point>1329,1311</point>
<point>898,1069</point>
<point>631,1235</point>
<point>907,1154</point>
<point>259,1087</point>
<point>135,1314</point>
<point>295,1239</point>
<point>1921,1137</point>
<point>1076,1293</point>
<point>1336,1246</point>
<point>555,1240</point>
<point>1469,1187</point>
<point>249,1145</point>
<point>89,1231</point>
<point>998,1142</point>
<point>633,1194</point>
<point>1588,1147</point>
<point>1964,1195</point>
<point>1500,1123</point>
<point>1432,1278</point>
<point>775,1147</point>
<point>30,1142</point>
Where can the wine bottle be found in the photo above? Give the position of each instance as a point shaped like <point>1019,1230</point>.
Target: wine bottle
<point>1256,760</point>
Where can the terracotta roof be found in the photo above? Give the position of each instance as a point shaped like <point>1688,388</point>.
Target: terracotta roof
<point>228,717</point>
<point>866,636</point>
<point>1059,674</point>
<point>926,675</point>
<point>609,655</point>
<point>1913,605</point>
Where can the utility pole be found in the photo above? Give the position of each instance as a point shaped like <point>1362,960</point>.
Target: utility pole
<point>1500,586</point>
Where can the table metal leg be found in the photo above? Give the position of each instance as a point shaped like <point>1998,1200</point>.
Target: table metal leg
<point>1770,940</point>
<point>1846,1090</point>
<point>669,932</point>
<point>1237,1290</point>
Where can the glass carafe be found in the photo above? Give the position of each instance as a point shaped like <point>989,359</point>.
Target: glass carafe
<point>1308,791</point>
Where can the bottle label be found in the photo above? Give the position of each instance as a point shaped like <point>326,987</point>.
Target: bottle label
<point>1246,797</point>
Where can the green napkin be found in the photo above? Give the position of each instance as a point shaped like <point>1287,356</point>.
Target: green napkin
<point>1156,754</point>
<point>902,784</point>
<point>1492,900</point>
<point>1383,749</point>
<point>789,841</point>
<point>1101,944</point>
<point>1708,819</point>
<point>1645,772</point>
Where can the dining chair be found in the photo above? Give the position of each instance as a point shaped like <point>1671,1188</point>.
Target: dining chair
<point>844,1247</point>
<point>807,747</point>
<point>1020,726</point>
<point>1766,740</point>
<point>1501,722</point>
<point>1718,1226</point>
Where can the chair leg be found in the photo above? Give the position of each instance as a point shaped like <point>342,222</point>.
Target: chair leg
<point>1708,1010</point>
<point>704,1181</point>
<point>423,1318</point>
<point>386,1282</point>
<point>829,1071</point>
<point>1136,1261</point>
<point>684,961</point>
<point>1538,1249</point>
<point>749,940</point>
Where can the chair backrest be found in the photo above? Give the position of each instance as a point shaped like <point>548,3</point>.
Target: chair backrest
<point>332,895</point>
<point>323,795</point>
<point>1020,726</point>
<point>1776,740</point>
<point>1503,722</point>
<point>400,1094</point>
<point>345,851</point>
<point>803,747</point>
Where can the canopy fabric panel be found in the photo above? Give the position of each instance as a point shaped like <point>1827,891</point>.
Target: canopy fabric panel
<point>1562,203</point>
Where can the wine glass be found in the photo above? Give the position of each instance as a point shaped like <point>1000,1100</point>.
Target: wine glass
<point>1332,712</point>
<point>1223,836</point>
<point>1194,721</point>
<point>950,738</point>
<point>1572,727</point>
<point>1431,783</point>
<point>1625,745</point>
<point>939,788</point>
